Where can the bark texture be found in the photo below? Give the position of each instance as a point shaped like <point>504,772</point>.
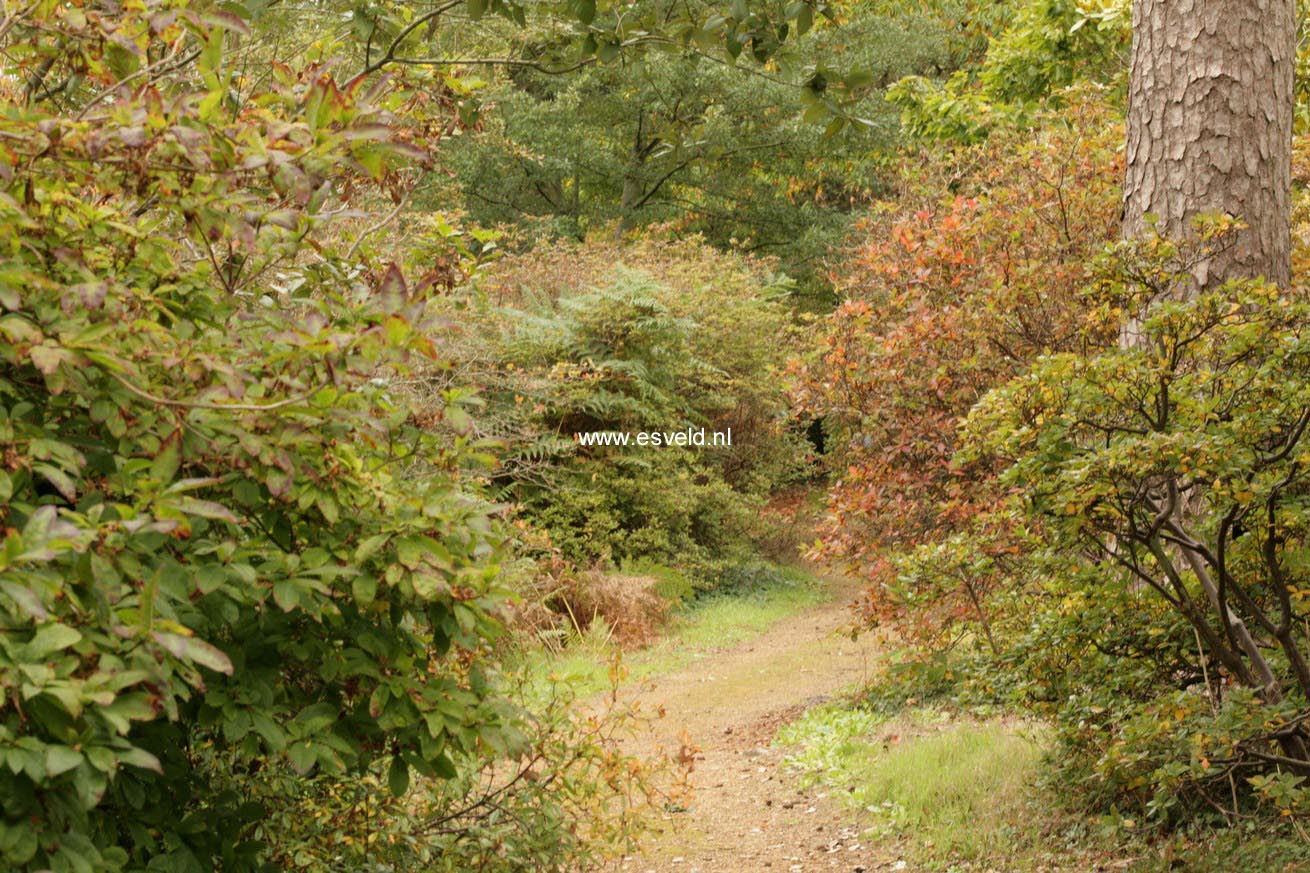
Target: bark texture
<point>1210,127</point>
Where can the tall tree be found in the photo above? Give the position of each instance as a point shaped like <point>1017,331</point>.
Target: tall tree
<point>1210,127</point>
<point>1209,130</point>
<point>730,151</point>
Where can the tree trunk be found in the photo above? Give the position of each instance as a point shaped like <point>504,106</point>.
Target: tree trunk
<point>633,189</point>
<point>1210,128</point>
<point>633,184</point>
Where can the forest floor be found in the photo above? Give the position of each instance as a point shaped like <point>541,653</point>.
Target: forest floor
<point>745,812</point>
<point>748,811</point>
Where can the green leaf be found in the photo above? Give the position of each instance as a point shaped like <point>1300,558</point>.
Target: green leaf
<point>377,701</point>
<point>269,730</point>
<point>410,551</point>
<point>316,718</point>
<point>46,358</point>
<point>211,55</point>
<point>62,481</point>
<point>286,594</point>
<point>195,650</point>
<point>398,776</point>
<point>135,757</point>
<point>164,467</point>
<point>49,639</point>
<point>392,292</point>
<point>205,509</point>
<point>302,757</point>
<point>369,546</point>
<point>90,785</point>
<point>26,599</point>
<point>364,588</point>
<point>804,19</point>
<point>125,709</point>
<point>61,759</point>
<point>373,160</point>
<point>444,767</point>
<point>816,112</point>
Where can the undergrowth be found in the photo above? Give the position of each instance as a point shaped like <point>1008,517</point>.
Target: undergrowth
<point>959,787</point>
<point>931,764</point>
<point>697,627</point>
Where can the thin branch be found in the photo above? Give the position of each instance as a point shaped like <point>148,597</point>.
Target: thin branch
<point>204,404</point>
<point>390,54</point>
<point>175,61</point>
<point>385,220</point>
<point>11,20</point>
<point>493,62</point>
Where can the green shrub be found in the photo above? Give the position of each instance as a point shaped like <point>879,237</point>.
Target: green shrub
<point>1172,475</point>
<point>571,800</point>
<point>752,576</point>
<point>673,585</point>
<point>630,355</point>
<point>226,549</point>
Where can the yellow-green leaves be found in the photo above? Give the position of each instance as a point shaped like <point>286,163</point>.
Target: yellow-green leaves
<point>200,486</point>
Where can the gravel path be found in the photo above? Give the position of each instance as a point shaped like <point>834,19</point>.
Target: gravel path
<point>747,814</point>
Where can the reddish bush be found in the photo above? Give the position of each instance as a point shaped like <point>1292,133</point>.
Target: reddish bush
<point>972,276</point>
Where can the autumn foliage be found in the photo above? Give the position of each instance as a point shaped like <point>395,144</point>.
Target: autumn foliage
<point>974,273</point>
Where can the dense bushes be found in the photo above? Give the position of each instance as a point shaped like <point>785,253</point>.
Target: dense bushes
<point>1158,617</point>
<point>975,274</point>
<point>681,337</point>
<point>1177,464</point>
<point>572,800</point>
<point>232,562</point>
<point>1116,537</point>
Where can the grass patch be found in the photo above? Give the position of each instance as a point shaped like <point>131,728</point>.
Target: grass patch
<point>701,627</point>
<point>958,789</point>
<point>960,793</point>
<point>718,621</point>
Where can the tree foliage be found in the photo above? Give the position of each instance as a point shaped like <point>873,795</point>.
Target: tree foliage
<point>1036,55</point>
<point>750,158</point>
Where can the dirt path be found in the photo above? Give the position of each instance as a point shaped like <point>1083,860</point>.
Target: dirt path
<point>746,814</point>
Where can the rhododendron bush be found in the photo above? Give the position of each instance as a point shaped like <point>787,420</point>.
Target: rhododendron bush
<point>974,273</point>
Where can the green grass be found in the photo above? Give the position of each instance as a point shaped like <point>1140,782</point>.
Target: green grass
<point>959,793</point>
<point>956,789</point>
<point>706,625</point>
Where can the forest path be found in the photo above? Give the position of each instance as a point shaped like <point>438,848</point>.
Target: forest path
<point>746,814</point>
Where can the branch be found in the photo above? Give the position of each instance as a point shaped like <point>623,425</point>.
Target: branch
<point>11,20</point>
<point>662,179</point>
<point>390,55</point>
<point>175,61</point>
<point>494,62</point>
<point>203,404</point>
<point>385,220</point>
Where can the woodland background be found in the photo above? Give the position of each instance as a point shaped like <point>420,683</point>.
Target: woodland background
<point>301,304</point>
